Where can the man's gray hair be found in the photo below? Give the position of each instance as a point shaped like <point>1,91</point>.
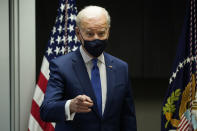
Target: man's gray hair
<point>84,14</point>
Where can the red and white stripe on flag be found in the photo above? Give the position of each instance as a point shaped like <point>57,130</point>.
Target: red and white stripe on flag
<point>35,122</point>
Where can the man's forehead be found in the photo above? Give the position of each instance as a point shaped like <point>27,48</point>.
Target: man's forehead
<point>97,26</point>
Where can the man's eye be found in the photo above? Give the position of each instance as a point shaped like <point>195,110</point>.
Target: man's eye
<point>101,34</point>
<point>90,34</point>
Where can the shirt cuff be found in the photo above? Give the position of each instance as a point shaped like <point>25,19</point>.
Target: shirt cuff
<point>69,117</point>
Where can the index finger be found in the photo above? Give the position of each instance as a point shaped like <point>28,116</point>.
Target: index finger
<point>88,99</point>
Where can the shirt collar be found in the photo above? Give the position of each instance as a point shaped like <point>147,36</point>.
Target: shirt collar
<point>87,58</point>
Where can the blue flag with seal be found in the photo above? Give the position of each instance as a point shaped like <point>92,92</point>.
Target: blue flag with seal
<point>179,108</point>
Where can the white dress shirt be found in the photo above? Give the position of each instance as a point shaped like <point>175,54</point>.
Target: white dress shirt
<point>102,69</point>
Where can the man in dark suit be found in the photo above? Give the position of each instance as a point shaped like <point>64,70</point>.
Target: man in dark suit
<point>89,90</point>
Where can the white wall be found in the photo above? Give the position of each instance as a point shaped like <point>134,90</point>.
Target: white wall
<point>4,67</point>
<point>17,63</point>
<point>27,59</point>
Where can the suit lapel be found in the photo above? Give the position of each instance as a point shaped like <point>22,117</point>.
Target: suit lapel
<point>82,74</point>
<point>110,72</point>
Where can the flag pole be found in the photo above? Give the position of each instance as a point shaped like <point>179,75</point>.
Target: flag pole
<point>65,28</point>
<point>191,50</point>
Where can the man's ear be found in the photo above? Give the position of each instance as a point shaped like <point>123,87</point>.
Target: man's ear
<point>77,33</point>
<point>108,33</point>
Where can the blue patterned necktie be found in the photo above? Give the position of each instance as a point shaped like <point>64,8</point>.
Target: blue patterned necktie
<point>96,84</point>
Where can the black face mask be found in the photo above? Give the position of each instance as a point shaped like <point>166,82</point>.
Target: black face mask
<point>95,47</point>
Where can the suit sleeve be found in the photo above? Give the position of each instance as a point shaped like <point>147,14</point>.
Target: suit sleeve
<point>53,106</point>
<point>128,118</point>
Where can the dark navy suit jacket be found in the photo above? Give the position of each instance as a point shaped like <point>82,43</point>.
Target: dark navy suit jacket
<point>69,78</point>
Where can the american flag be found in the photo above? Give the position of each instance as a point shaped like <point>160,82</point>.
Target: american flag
<point>181,92</point>
<point>62,40</point>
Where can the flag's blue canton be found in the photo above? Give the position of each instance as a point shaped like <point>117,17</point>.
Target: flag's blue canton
<point>56,44</point>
